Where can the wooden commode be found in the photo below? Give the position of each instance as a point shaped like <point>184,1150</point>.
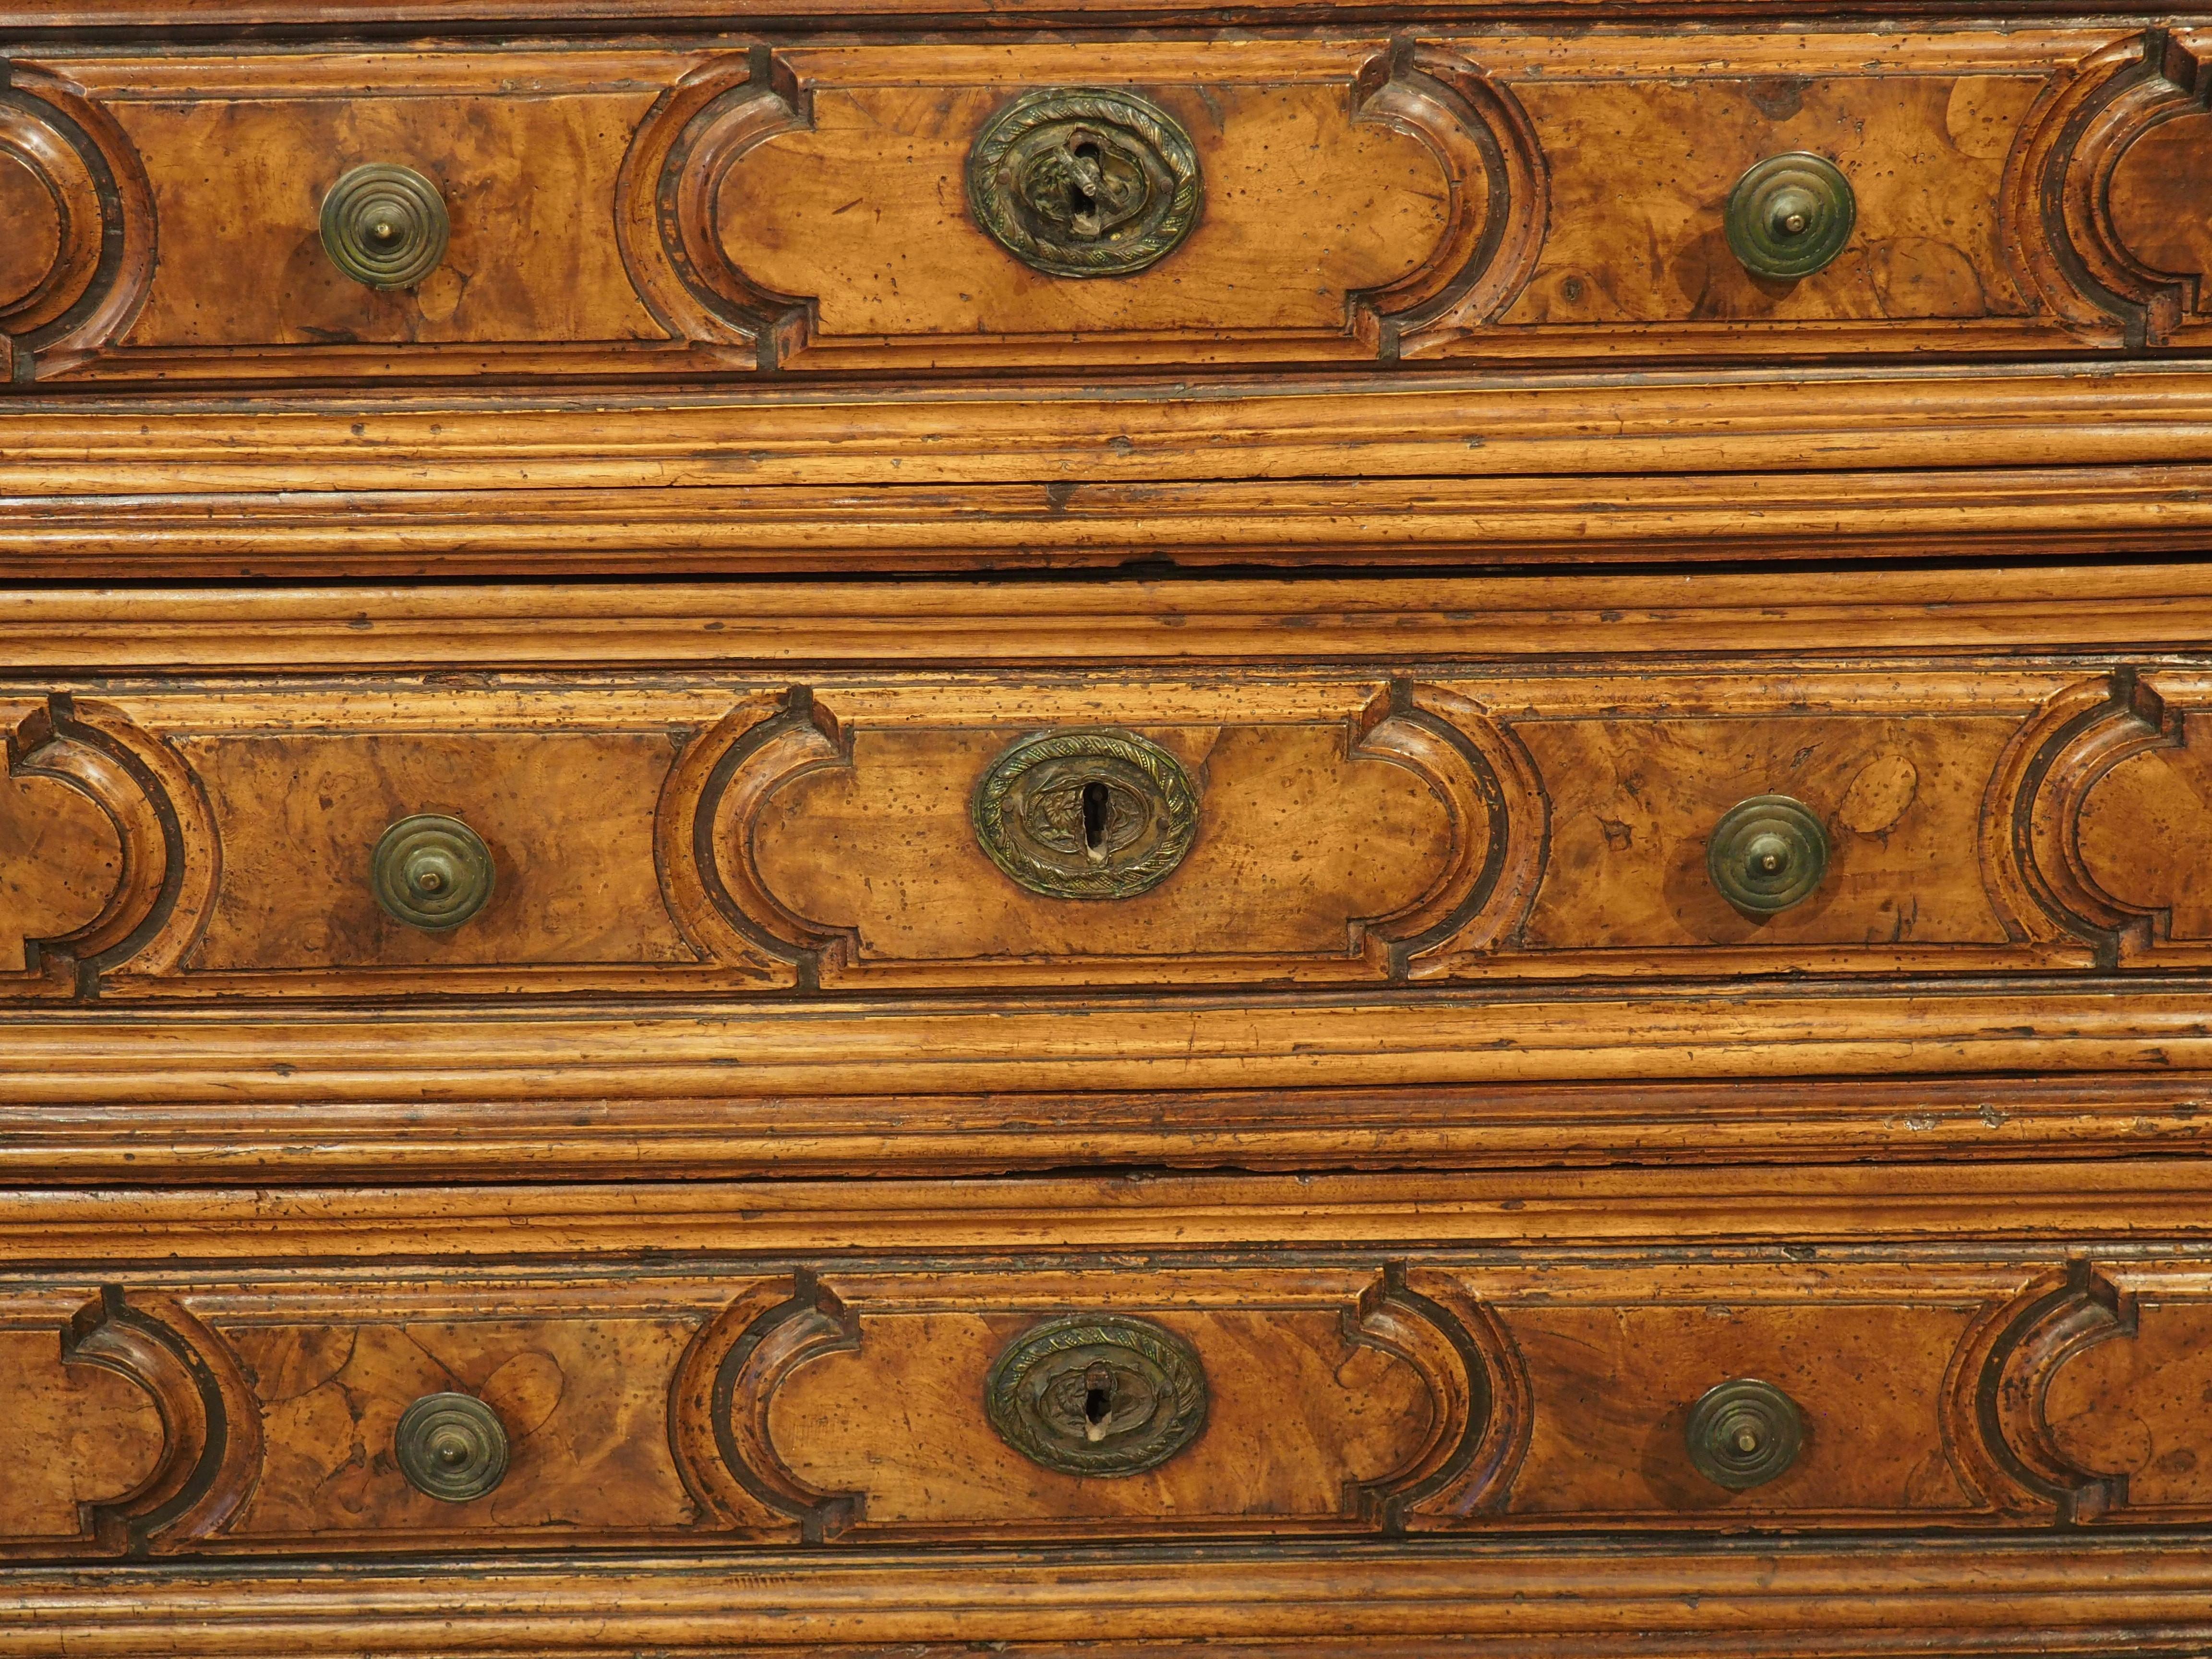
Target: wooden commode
<point>1343,831</point>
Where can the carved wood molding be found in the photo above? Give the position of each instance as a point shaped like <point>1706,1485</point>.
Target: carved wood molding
<point>103,222</point>
<point>702,1435</point>
<point>668,205</point>
<point>1475,129</point>
<point>806,1324</point>
<point>209,1417</point>
<point>2056,205</point>
<point>169,853</point>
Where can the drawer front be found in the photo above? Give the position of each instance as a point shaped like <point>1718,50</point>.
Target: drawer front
<point>675,834</point>
<point>1152,1399</point>
<point>734,207</point>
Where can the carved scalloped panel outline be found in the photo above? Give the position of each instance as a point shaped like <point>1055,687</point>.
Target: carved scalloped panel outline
<point>668,195</point>
<point>105,259</point>
<point>700,1436</point>
<point>210,1420</point>
<point>1473,127</point>
<point>1996,1425</point>
<point>2035,804</point>
<point>2056,209</point>
<point>170,855</point>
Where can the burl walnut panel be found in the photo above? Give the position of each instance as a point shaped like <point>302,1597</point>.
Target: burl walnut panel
<point>730,206</point>
<point>1517,1394</point>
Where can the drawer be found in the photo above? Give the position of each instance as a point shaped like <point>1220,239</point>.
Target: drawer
<point>726,207</point>
<point>729,1404</point>
<point>680,834</point>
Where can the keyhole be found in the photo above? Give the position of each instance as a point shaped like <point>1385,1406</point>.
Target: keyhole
<point>1080,200</point>
<point>1095,803</point>
<point>1098,1402</point>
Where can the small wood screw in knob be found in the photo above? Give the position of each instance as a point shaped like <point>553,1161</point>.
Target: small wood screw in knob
<point>452,1446</point>
<point>1743,1433</point>
<point>1767,854</point>
<point>431,872</point>
<point>1790,215</point>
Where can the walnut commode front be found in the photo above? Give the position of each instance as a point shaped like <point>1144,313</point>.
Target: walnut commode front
<point>1332,830</point>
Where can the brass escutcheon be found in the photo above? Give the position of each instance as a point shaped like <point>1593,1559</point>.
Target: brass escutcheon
<point>1767,854</point>
<point>385,226</point>
<point>431,872</point>
<point>1086,814</point>
<point>1743,1433</point>
<point>1788,216</point>
<point>452,1446</point>
<point>1085,182</point>
<point>1097,1395</point>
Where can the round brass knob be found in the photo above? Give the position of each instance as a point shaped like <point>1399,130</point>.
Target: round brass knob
<point>1744,1433</point>
<point>385,226</point>
<point>1097,1395</point>
<point>1790,215</point>
<point>1767,854</point>
<point>451,1446</point>
<point>431,872</point>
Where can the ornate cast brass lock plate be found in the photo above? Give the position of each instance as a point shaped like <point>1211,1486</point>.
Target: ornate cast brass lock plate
<point>1744,1433</point>
<point>1085,182</point>
<point>1086,814</point>
<point>1099,1395</point>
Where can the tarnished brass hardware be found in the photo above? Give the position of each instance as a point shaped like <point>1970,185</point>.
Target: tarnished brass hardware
<point>1097,1395</point>
<point>1085,182</point>
<point>1767,854</point>
<point>1743,1433</point>
<point>451,1446</point>
<point>1086,814</point>
<point>385,226</point>
<point>431,872</point>
<point>1790,215</point>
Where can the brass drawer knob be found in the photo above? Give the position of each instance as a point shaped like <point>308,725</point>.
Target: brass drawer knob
<point>452,1446</point>
<point>1790,215</point>
<point>1744,1433</point>
<point>1086,814</point>
<point>1085,182</point>
<point>431,872</point>
<point>385,226</point>
<point>1767,854</point>
<point>1097,1395</point>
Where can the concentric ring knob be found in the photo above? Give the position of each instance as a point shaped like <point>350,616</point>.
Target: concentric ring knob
<point>386,226</point>
<point>452,1446</point>
<point>1767,854</point>
<point>431,872</point>
<point>1743,1433</point>
<point>1790,215</point>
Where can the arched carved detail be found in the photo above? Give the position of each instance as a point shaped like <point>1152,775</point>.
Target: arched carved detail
<point>168,852</point>
<point>2056,207</point>
<point>1475,129</point>
<point>1497,817</point>
<point>703,830</point>
<point>209,1420</point>
<point>669,196</point>
<point>700,1435</point>
<point>1474,1378</point>
<point>103,221</point>
<point>2000,1379</point>
<point>2035,809</point>
<point>806,1324</point>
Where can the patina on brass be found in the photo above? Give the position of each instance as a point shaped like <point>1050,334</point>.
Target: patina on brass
<point>1790,215</point>
<point>386,226</point>
<point>431,872</point>
<point>452,1446</point>
<point>1097,1395</point>
<point>1086,814</point>
<point>1744,1432</point>
<point>1767,854</point>
<point>1085,182</point>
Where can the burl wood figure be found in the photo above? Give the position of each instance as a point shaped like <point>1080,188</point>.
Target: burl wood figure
<point>1347,831</point>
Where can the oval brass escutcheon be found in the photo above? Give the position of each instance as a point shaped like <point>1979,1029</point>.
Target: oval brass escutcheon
<point>452,1446</point>
<point>1086,814</point>
<point>1097,1395</point>
<point>386,226</point>
<point>431,872</point>
<point>1085,182</point>
<point>1767,854</point>
<point>1790,215</point>
<point>1743,1433</point>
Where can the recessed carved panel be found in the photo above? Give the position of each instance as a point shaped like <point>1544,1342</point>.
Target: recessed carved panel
<point>74,1438</point>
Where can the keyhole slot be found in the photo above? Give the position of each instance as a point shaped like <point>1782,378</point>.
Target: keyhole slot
<point>1079,199</point>
<point>1096,806</point>
<point>1098,1403</point>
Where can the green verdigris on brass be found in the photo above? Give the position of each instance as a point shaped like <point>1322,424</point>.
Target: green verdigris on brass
<point>1097,1395</point>
<point>1085,182</point>
<point>1086,814</point>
